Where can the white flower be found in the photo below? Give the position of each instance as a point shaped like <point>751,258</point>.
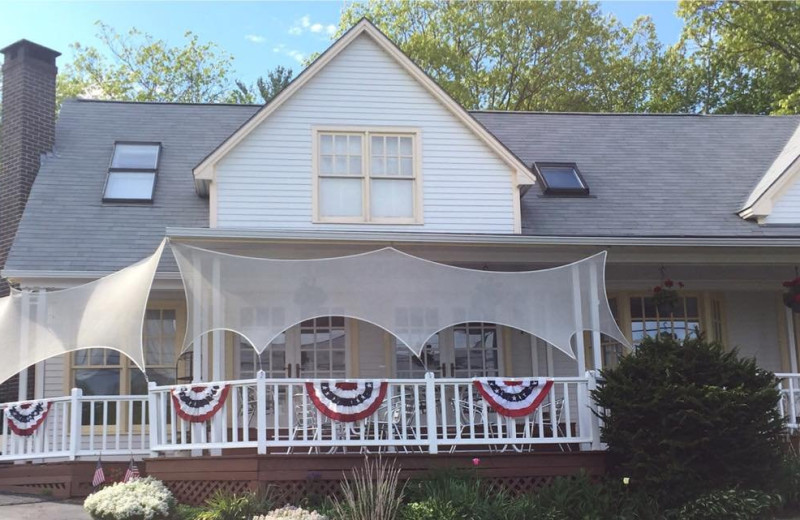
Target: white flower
<point>291,513</point>
<point>146,499</point>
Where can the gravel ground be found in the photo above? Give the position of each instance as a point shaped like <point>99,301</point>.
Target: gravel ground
<point>29,507</point>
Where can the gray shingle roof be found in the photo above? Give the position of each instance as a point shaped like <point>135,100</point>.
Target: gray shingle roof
<point>649,175</point>
<point>66,226</point>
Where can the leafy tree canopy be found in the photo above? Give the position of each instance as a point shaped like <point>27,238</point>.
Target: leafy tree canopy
<point>562,56</point>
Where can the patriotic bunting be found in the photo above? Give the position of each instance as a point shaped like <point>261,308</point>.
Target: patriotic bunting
<point>516,398</point>
<point>198,403</point>
<point>347,401</point>
<point>24,418</point>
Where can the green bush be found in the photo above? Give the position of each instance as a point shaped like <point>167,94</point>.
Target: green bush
<point>372,492</point>
<point>730,505</point>
<point>430,509</point>
<point>138,499</point>
<point>685,418</point>
<point>234,506</point>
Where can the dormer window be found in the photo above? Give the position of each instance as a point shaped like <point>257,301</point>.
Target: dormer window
<point>132,173</point>
<point>367,176</point>
<point>561,179</point>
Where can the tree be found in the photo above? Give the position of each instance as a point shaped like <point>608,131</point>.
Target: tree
<point>685,418</point>
<point>142,68</point>
<point>277,80</point>
<point>561,56</point>
<point>746,55</point>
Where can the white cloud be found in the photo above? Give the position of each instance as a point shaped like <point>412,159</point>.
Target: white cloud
<point>297,55</point>
<point>255,38</point>
<point>305,24</point>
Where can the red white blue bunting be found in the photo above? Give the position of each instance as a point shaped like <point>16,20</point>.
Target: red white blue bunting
<point>25,418</point>
<point>346,401</point>
<point>199,403</point>
<point>514,398</point>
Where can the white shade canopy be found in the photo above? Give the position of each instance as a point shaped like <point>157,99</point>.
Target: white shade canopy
<point>410,297</point>
<point>105,313</point>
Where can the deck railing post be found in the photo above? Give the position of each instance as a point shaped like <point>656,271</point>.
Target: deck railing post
<point>594,420</point>
<point>153,417</point>
<point>430,412</point>
<point>75,416</point>
<point>261,411</point>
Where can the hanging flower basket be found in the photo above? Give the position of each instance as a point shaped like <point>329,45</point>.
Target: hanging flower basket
<point>791,297</point>
<point>666,297</point>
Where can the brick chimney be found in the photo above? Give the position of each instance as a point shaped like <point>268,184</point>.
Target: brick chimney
<point>29,121</point>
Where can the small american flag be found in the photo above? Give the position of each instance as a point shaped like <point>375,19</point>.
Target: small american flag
<point>99,477</point>
<point>131,473</point>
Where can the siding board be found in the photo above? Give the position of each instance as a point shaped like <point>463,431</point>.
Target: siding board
<point>266,181</point>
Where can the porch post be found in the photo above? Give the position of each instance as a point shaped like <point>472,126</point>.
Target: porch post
<point>580,356</point>
<point>218,352</point>
<point>22,389</point>
<point>153,417</point>
<point>594,309</point>
<point>75,417</point>
<point>197,321</point>
<point>430,413</point>
<point>261,411</point>
<point>790,336</point>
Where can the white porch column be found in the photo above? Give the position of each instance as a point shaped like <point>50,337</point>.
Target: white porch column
<point>594,317</point>
<point>580,357</point>
<point>790,337</point>
<point>218,353</point>
<point>197,322</point>
<point>22,390</point>
<point>41,317</point>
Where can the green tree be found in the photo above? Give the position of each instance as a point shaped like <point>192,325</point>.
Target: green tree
<point>560,56</point>
<point>142,68</point>
<point>277,79</point>
<point>745,55</point>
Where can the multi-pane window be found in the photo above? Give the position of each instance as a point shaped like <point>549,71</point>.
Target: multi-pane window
<point>367,177</point>
<point>132,173</point>
<point>323,348</point>
<point>272,361</point>
<point>476,350</point>
<point>611,349</point>
<point>681,321</point>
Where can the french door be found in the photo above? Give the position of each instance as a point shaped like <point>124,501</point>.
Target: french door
<point>316,348</point>
<point>466,350</point>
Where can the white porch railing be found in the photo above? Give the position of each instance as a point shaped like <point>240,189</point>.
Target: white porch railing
<point>83,426</point>
<point>278,416</point>
<point>421,415</point>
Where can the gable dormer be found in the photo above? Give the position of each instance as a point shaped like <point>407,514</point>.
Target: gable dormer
<point>776,197</point>
<point>363,137</point>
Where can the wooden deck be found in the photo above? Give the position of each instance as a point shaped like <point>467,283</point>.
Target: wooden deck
<point>193,479</point>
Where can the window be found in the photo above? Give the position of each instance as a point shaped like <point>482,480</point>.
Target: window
<point>367,177</point>
<point>102,371</point>
<point>410,366</point>
<point>477,353</point>
<point>132,174</point>
<point>561,179</point>
<point>680,322</point>
<point>323,349</point>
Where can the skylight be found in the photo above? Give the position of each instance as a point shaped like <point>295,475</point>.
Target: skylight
<point>561,179</point>
<point>132,174</point>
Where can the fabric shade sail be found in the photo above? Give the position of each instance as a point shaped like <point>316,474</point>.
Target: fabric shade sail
<point>410,297</point>
<point>105,313</point>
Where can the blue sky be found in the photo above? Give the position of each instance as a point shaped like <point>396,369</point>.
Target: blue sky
<point>260,35</point>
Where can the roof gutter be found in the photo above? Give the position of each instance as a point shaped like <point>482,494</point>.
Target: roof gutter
<point>277,235</point>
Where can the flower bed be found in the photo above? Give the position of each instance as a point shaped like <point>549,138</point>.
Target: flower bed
<point>139,499</point>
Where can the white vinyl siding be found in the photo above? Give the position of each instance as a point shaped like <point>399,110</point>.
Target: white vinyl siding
<point>786,209</point>
<point>266,180</point>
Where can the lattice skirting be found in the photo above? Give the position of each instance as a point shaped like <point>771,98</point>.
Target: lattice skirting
<point>195,492</point>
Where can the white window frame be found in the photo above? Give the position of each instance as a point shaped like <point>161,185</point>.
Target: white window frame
<point>366,134</point>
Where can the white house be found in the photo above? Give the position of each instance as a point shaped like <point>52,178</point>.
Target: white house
<point>364,151</point>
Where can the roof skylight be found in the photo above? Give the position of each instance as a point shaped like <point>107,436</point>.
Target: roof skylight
<point>132,174</point>
<point>561,179</point>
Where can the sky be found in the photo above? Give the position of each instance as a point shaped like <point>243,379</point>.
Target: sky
<point>260,35</point>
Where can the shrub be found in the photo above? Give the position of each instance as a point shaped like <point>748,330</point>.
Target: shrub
<point>291,513</point>
<point>733,504</point>
<point>233,506</point>
<point>685,418</point>
<point>430,509</point>
<point>372,493</point>
<point>139,499</point>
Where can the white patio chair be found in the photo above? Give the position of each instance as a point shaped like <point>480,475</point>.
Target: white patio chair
<point>469,414</point>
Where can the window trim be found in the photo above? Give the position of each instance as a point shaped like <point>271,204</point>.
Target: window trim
<point>133,170</point>
<point>366,133</point>
<point>547,190</point>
